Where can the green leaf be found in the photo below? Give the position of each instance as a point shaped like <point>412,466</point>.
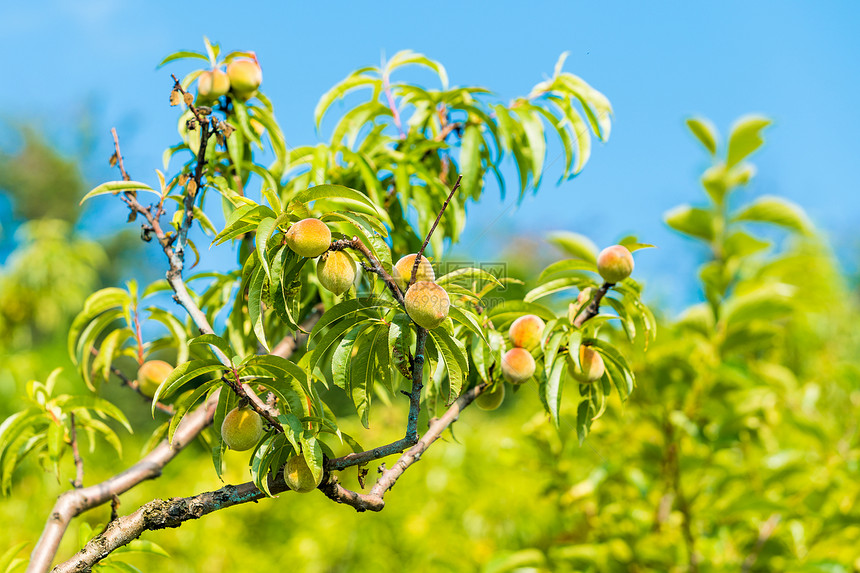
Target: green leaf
<point>574,244</point>
<point>264,232</point>
<point>181,375</point>
<point>214,340</point>
<point>115,187</point>
<point>565,268</point>
<point>508,311</point>
<point>468,275</point>
<point>282,366</point>
<point>333,335</point>
<point>383,358</point>
<point>111,343</point>
<point>342,357</point>
<point>100,405</point>
<point>777,211</point>
<point>558,285</point>
<point>255,302</point>
<point>362,372</point>
<point>182,54</point>
<point>692,221</point>
<point>349,307</point>
<point>470,160</point>
<point>745,138</point>
<point>350,83</point>
<point>468,319</point>
<point>407,57</point>
<point>9,556</point>
<point>554,387</point>
<point>176,328</point>
<point>342,193</point>
<point>454,355</point>
<point>185,403</point>
<point>770,302</point>
<point>313,454</point>
<point>705,132</point>
<point>533,130</point>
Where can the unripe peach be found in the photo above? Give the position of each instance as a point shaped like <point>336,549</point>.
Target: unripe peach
<point>525,332</point>
<point>299,476</point>
<point>241,429</point>
<point>492,397</point>
<point>518,365</point>
<point>402,271</point>
<point>615,263</point>
<point>592,365</point>
<point>212,84</point>
<point>336,271</point>
<point>245,77</point>
<point>151,374</point>
<point>427,304</point>
<point>309,237</point>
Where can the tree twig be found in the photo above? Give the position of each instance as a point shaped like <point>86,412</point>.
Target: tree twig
<point>118,155</point>
<point>420,253</point>
<point>79,462</point>
<point>593,307</point>
<point>375,266</point>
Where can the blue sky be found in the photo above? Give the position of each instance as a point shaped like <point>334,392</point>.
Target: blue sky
<point>658,63</point>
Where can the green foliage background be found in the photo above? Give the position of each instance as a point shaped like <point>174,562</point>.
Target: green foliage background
<point>744,417</point>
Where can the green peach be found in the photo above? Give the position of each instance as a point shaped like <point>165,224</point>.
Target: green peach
<point>518,365</point>
<point>336,271</point>
<point>427,304</point>
<point>241,429</point>
<point>615,263</point>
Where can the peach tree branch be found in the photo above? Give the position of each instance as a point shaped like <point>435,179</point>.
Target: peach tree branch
<point>162,514</point>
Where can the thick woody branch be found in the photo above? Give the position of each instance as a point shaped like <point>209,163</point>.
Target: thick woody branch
<point>373,501</point>
<point>76,501</point>
<point>162,514</point>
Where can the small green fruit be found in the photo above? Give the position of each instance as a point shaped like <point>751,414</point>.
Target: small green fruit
<point>615,263</point>
<point>518,365</point>
<point>212,84</point>
<point>151,374</point>
<point>309,237</point>
<point>336,271</point>
<point>492,397</point>
<point>402,271</point>
<point>526,331</point>
<point>592,365</point>
<point>241,429</point>
<point>427,304</point>
<point>299,476</point>
<point>245,77</point>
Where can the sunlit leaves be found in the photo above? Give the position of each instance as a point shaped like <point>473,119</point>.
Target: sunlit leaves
<point>776,211</point>
<point>44,429</point>
<point>745,138</point>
